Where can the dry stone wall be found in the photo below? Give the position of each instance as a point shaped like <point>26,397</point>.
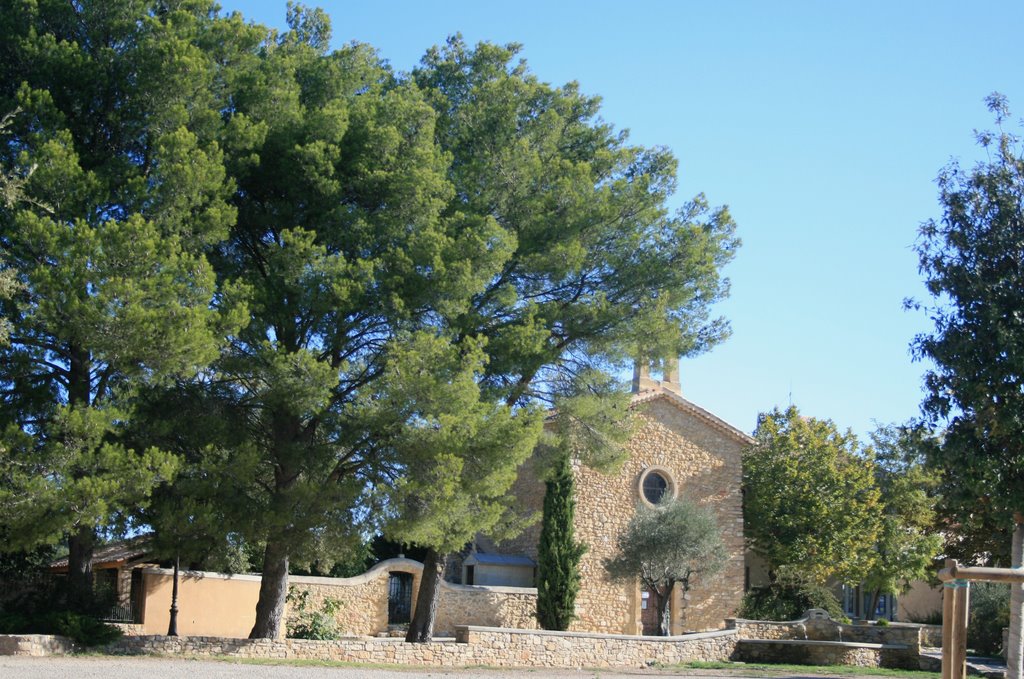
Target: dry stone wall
<point>475,646</point>
<point>514,607</point>
<point>35,645</point>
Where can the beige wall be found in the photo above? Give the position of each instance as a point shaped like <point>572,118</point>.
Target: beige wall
<point>209,604</point>
<point>919,602</point>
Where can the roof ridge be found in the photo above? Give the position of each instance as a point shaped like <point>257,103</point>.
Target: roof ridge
<point>681,402</point>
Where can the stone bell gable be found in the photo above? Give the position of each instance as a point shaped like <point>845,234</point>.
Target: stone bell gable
<point>679,449</point>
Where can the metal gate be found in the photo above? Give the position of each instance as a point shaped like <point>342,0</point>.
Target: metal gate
<point>399,598</point>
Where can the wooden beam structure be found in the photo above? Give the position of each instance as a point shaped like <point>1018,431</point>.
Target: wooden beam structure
<point>956,581</point>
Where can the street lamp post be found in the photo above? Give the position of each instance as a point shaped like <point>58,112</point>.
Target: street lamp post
<point>172,626</point>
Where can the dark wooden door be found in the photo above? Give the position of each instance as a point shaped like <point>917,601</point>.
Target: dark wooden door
<point>649,620</point>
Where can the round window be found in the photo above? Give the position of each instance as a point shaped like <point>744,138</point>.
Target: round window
<point>656,485</point>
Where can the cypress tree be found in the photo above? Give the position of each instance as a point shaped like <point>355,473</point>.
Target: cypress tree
<point>559,553</point>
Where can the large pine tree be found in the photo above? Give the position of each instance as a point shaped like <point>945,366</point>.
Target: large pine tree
<point>118,113</point>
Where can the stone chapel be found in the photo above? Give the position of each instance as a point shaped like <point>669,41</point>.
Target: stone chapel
<point>679,449</point>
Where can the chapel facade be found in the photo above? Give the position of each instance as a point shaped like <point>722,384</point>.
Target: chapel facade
<point>678,449</point>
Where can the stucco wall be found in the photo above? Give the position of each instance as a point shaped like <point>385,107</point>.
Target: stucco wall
<point>918,603</point>
<point>706,466</point>
<point>208,603</point>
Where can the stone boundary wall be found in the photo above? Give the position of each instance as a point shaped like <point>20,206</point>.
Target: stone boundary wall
<point>822,628</point>
<point>931,635</point>
<point>814,653</point>
<point>36,645</point>
<point>474,646</point>
<point>363,601</point>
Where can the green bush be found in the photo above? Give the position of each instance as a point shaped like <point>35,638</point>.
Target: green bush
<point>82,629</point>
<point>309,624</point>
<point>787,599</point>
<point>990,613</point>
<point>881,622</point>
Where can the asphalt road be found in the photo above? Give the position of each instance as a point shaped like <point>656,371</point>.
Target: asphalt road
<point>106,667</point>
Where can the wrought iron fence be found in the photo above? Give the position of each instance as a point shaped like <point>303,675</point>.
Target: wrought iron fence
<point>121,612</point>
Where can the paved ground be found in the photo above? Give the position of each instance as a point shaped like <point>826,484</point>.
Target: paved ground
<point>100,667</point>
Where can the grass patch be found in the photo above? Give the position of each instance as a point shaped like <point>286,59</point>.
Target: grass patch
<point>833,670</point>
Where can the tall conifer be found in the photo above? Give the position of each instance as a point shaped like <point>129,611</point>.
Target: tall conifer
<point>559,552</point>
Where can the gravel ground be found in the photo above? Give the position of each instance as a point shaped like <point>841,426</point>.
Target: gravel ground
<point>104,667</point>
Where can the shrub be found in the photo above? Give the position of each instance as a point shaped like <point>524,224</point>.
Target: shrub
<point>787,599</point>
<point>881,622</point>
<point>82,629</point>
<point>990,613</point>
<point>309,624</point>
<point>930,618</point>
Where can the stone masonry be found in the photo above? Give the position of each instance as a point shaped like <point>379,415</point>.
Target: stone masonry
<point>703,457</point>
<point>473,646</point>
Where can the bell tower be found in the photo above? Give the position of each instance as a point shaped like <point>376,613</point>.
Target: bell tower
<point>642,380</point>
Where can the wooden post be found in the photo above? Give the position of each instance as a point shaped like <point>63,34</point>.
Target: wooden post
<point>963,589</point>
<point>1014,653</point>
<point>948,610</point>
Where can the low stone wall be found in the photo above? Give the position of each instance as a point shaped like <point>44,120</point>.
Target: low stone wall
<point>817,639</point>
<point>818,626</point>
<point>504,607</point>
<point>767,629</point>
<point>931,635</point>
<point>474,646</point>
<point>35,644</point>
<point>809,652</point>
<point>520,648</point>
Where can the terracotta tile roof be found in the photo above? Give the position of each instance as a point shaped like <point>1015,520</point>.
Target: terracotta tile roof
<point>121,551</point>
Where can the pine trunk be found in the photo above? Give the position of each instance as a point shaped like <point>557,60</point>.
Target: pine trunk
<point>273,591</point>
<point>80,549</point>
<point>421,629</point>
<point>82,542</point>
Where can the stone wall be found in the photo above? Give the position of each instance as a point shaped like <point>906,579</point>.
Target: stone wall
<point>808,652</point>
<point>37,645</point>
<point>818,640</point>
<point>213,604</point>
<point>817,626</point>
<point>475,646</point>
<point>513,607</point>
<point>705,463</point>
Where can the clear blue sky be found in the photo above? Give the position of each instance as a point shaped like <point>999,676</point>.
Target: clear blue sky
<point>822,126</point>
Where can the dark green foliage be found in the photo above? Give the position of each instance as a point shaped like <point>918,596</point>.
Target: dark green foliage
<point>788,599</point>
<point>306,622</point>
<point>558,559</point>
<point>124,191</point>
<point>972,260</point>
<point>989,614</point>
<point>83,629</point>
